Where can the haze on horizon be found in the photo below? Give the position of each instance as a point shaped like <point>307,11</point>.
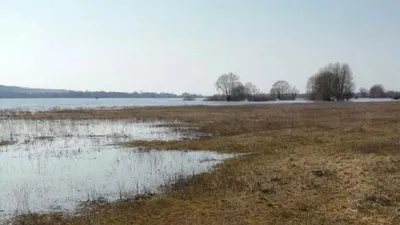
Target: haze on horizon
<point>184,45</point>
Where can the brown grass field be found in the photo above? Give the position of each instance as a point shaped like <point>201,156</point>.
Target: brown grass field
<point>322,163</point>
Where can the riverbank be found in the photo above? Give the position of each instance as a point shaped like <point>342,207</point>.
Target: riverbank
<point>320,163</point>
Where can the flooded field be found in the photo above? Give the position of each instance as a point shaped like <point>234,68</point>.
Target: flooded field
<point>54,165</point>
<point>34,105</point>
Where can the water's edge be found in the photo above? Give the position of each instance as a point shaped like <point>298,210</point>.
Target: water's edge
<point>56,165</point>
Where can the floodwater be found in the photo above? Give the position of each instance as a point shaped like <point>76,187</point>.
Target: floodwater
<point>56,165</point>
<point>77,103</point>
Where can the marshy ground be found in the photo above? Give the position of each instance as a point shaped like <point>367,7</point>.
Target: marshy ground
<point>322,163</point>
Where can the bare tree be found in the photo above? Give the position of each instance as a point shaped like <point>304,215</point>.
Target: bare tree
<point>377,91</point>
<point>251,89</point>
<point>347,83</point>
<point>363,92</point>
<point>344,84</point>
<point>226,84</point>
<point>333,82</point>
<point>239,92</point>
<point>326,86</point>
<point>280,89</point>
<point>321,86</point>
<point>293,93</point>
<point>311,88</point>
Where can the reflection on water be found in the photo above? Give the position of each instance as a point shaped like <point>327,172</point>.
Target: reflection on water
<point>54,165</point>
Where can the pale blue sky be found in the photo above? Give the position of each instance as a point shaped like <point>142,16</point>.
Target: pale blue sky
<point>184,45</point>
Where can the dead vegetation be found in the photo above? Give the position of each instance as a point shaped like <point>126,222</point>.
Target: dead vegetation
<point>324,163</point>
<point>3,143</point>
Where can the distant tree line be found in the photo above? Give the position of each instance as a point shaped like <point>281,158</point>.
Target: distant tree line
<point>190,97</point>
<point>95,94</point>
<point>333,82</point>
<point>378,91</point>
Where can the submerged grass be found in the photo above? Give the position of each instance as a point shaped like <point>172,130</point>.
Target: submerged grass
<point>4,143</point>
<point>324,163</point>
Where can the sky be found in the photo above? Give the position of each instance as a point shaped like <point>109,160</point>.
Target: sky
<point>185,45</point>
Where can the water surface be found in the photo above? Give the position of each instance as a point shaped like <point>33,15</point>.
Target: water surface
<point>75,103</point>
<point>56,165</point>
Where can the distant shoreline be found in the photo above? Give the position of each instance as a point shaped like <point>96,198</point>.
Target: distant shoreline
<point>95,98</point>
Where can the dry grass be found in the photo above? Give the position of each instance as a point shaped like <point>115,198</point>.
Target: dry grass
<point>3,143</point>
<point>327,163</point>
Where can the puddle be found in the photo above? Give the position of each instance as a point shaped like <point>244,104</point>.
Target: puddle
<point>56,165</point>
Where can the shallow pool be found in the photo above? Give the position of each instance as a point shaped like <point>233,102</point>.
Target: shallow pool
<point>57,164</point>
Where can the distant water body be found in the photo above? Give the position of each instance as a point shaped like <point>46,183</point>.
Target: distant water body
<point>76,103</point>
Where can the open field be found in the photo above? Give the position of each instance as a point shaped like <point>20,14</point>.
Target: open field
<point>322,163</point>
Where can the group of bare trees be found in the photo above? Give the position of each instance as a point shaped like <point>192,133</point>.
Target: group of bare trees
<point>333,82</point>
<point>233,90</point>
<point>378,91</point>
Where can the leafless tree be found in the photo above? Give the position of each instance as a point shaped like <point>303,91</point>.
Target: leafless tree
<point>363,92</point>
<point>344,84</point>
<point>280,89</point>
<point>226,84</point>
<point>333,82</point>
<point>377,91</point>
<point>251,89</point>
<point>239,92</point>
<point>325,86</point>
<point>311,88</point>
<point>293,93</point>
